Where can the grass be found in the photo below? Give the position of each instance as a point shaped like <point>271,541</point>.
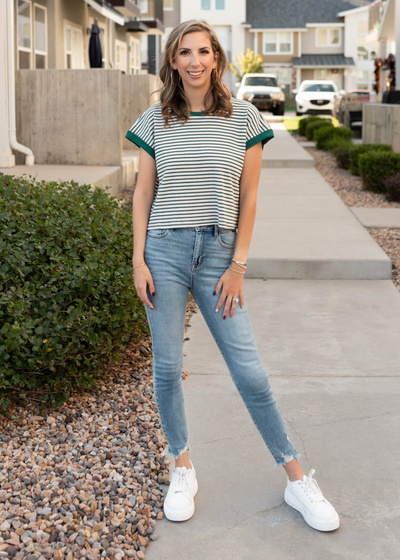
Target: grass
<point>292,123</point>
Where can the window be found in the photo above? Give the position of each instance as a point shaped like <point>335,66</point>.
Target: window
<point>40,38</point>
<point>279,42</point>
<point>220,4</point>
<point>134,56</point>
<point>328,37</point>
<point>284,42</point>
<point>143,5</point>
<point>320,74</point>
<point>206,4</point>
<point>319,87</point>
<point>73,37</point>
<point>24,34</point>
<point>168,5</point>
<point>265,81</point>
<point>362,79</point>
<point>362,48</point>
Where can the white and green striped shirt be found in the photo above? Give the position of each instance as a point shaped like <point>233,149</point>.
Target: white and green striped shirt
<point>199,163</point>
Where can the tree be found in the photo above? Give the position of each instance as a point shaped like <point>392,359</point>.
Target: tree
<point>245,63</point>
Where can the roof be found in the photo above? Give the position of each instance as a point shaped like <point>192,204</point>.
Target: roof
<point>271,14</point>
<point>336,60</point>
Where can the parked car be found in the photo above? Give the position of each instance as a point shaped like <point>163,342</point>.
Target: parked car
<point>348,109</point>
<point>263,92</point>
<point>316,97</point>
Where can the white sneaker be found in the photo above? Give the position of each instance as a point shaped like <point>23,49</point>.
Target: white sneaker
<point>179,502</point>
<point>306,496</point>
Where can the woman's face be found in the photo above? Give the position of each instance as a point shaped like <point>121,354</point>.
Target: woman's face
<point>195,60</point>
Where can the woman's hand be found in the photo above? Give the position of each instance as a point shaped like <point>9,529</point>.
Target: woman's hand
<point>141,277</point>
<point>232,286</point>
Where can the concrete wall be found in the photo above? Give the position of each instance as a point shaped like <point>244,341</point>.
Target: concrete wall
<point>381,124</point>
<point>79,117</point>
<point>135,99</point>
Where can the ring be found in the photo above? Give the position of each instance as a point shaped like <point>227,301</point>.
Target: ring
<point>235,299</point>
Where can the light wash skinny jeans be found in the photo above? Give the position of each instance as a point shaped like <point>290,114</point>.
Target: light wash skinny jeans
<point>194,258</point>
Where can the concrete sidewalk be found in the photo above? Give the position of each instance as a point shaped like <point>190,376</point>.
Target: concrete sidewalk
<point>332,350</point>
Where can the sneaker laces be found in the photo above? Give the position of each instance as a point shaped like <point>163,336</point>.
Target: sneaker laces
<point>180,479</point>
<point>313,489</point>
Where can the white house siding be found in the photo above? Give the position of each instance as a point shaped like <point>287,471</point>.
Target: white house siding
<point>309,41</point>
<point>227,24</point>
<point>362,73</point>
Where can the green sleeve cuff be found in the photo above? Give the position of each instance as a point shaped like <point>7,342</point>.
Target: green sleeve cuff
<point>139,142</point>
<point>264,137</point>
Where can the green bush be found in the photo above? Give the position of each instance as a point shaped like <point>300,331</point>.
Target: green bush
<point>375,166</point>
<point>340,148</point>
<point>323,135</point>
<point>67,297</point>
<point>392,185</point>
<point>356,151</point>
<point>314,125</point>
<point>343,157</point>
<point>343,132</point>
<point>304,122</point>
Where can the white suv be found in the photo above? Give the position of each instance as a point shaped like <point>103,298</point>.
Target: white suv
<point>316,96</point>
<point>262,90</point>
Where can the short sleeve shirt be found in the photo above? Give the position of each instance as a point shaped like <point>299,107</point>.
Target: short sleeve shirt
<point>199,163</point>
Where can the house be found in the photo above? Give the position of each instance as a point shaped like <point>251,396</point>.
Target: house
<point>381,120</point>
<point>56,34</point>
<point>311,39</point>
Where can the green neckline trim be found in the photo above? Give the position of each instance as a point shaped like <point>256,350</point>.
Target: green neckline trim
<point>196,113</point>
<point>139,142</point>
<point>264,137</point>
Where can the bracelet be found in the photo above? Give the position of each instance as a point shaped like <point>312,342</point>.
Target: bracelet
<point>240,263</point>
<point>238,271</point>
<point>143,264</point>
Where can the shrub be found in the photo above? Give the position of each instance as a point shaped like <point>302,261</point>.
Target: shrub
<point>323,135</point>
<point>356,151</point>
<point>343,157</point>
<point>343,132</point>
<point>375,166</point>
<point>304,122</point>
<point>67,297</point>
<point>314,125</point>
<point>392,185</point>
<point>340,148</point>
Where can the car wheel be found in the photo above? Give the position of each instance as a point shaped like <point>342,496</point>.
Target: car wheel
<point>298,114</point>
<point>280,110</point>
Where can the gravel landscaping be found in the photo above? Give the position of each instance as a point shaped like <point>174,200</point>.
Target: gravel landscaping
<point>349,188</point>
<point>85,481</point>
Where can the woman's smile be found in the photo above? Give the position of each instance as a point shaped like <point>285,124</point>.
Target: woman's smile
<point>195,74</point>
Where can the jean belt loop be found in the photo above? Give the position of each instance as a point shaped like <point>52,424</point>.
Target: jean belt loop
<point>215,230</point>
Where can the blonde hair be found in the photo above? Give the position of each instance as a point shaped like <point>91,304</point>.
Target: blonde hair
<point>172,95</point>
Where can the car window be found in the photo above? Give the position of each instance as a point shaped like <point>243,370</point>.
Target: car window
<point>260,81</point>
<point>319,87</point>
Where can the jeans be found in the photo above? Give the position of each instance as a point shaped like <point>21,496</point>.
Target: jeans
<point>194,258</point>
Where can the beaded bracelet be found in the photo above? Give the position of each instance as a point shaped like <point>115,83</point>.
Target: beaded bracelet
<point>143,264</point>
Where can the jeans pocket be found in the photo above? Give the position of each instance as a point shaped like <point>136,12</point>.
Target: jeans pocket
<point>158,233</point>
<point>227,238</point>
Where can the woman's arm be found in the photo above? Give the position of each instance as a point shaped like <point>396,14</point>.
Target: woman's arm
<point>248,202</point>
<point>141,205</point>
<point>232,282</point>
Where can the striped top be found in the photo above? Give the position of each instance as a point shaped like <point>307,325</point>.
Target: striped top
<point>199,163</point>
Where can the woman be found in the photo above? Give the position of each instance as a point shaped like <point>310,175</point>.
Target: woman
<point>194,207</point>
